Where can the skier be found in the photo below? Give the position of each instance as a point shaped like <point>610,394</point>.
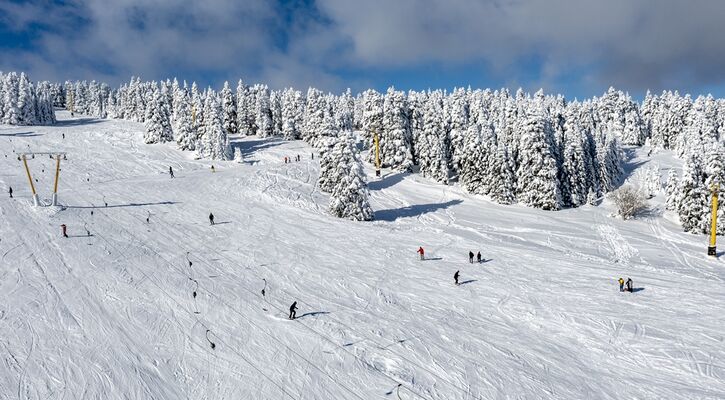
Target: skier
<point>211,218</point>
<point>629,285</point>
<point>212,169</point>
<point>64,136</point>
<point>148,217</point>
<point>293,310</point>
<point>63,230</point>
<point>455,277</point>
<point>478,257</point>
<point>171,172</point>
<point>621,284</point>
<point>10,190</point>
<point>422,253</point>
<point>470,257</point>
<point>312,156</point>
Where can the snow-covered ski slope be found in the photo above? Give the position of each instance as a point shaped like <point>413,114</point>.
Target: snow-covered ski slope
<point>113,316</point>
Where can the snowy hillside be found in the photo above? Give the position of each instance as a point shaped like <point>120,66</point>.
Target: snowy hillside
<point>113,315</point>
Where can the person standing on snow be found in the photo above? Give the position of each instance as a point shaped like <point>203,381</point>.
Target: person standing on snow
<point>293,310</point>
<point>63,230</point>
<point>422,253</point>
<point>470,257</point>
<point>455,278</point>
<point>171,172</point>
<point>10,190</point>
<point>211,219</point>
<point>629,285</point>
<point>621,284</point>
<point>478,257</point>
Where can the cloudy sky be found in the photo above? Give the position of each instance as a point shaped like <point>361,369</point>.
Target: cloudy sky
<point>574,47</point>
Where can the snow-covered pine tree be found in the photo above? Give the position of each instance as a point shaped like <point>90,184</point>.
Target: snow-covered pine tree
<point>263,113</point>
<point>671,190</point>
<point>11,112</point>
<point>474,162</point>
<point>372,119</point>
<point>537,175</point>
<point>328,164</point>
<point>458,110</point>
<point>691,195</point>
<point>183,126</point>
<point>432,140</point>
<point>313,115</point>
<point>238,157</point>
<point>416,107</point>
<point>577,163</point>
<point>229,109</point>
<point>345,111</point>
<point>609,158</point>
<point>350,197</point>
<point>502,184</point>
<point>26,101</point>
<point>243,112</point>
<point>396,147</point>
<point>157,121</point>
<point>275,107</point>
<point>290,129</point>
<point>213,144</point>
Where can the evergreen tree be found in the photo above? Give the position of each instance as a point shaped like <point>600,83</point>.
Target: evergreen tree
<point>395,140</point>
<point>183,125</point>
<point>671,190</point>
<point>502,183</point>
<point>243,111</point>
<point>213,144</point>
<point>692,195</point>
<point>263,113</point>
<point>350,197</point>
<point>537,175</point>
<point>432,148</point>
<point>157,121</point>
<point>229,109</point>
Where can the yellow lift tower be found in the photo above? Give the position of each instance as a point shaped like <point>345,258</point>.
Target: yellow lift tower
<point>57,157</point>
<point>712,249</point>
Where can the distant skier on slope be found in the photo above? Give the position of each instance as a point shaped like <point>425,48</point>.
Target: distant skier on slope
<point>470,257</point>
<point>478,257</point>
<point>10,190</point>
<point>63,230</point>
<point>629,285</point>
<point>212,169</point>
<point>455,277</point>
<point>211,219</point>
<point>293,310</point>
<point>422,253</point>
<point>171,172</point>
<point>621,284</point>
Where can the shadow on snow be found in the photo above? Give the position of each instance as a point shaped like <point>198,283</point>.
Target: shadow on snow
<point>413,211</point>
<point>161,203</point>
<point>387,181</point>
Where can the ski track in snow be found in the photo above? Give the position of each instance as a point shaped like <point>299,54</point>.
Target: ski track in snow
<point>112,315</point>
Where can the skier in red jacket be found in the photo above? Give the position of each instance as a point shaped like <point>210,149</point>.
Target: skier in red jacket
<point>421,252</point>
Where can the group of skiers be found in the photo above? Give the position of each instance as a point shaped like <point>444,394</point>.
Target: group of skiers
<point>625,286</point>
<point>288,160</point>
<point>470,257</point>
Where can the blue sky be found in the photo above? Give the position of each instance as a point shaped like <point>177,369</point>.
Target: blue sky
<point>574,47</point>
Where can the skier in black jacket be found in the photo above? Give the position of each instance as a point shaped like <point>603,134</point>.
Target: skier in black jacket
<point>629,285</point>
<point>211,218</point>
<point>455,277</point>
<point>470,257</point>
<point>293,310</point>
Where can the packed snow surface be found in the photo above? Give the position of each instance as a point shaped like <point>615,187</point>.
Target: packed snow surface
<point>113,315</point>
